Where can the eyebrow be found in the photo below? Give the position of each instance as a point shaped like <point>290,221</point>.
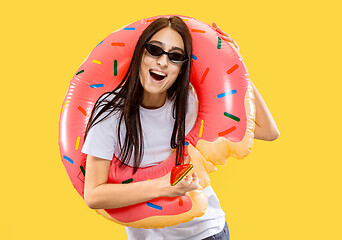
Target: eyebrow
<point>162,44</point>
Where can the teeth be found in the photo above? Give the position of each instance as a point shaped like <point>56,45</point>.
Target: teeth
<point>159,73</point>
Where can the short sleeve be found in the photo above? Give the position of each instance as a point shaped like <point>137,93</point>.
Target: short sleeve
<point>192,112</point>
<point>101,139</point>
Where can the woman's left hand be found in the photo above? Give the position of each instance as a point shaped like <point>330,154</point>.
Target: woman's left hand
<point>225,36</point>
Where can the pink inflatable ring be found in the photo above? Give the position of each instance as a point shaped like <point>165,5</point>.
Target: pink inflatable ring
<point>224,125</point>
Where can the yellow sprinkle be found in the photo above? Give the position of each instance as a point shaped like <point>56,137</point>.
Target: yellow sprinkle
<point>65,104</point>
<point>77,142</point>
<point>96,61</point>
<point>201,129</point>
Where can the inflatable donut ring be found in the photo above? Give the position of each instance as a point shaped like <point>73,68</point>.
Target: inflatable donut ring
<point>224,125</point>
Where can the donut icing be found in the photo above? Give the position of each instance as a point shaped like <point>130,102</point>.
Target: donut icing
<point>224,125</point>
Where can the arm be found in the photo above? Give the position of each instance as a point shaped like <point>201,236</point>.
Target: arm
<point>98,194</point>
<point>265,126</point>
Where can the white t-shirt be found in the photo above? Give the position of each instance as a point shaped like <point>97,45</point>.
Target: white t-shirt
<point>157,126</point>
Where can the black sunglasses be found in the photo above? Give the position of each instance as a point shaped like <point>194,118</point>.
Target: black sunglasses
<point>157,51</point>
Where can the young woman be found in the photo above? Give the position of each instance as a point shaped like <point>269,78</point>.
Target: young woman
<point>143,120</point>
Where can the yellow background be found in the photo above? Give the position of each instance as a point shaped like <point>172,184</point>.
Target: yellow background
<point>286,189</point>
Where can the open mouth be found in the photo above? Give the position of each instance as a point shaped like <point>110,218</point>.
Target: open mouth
<point>156,75</point>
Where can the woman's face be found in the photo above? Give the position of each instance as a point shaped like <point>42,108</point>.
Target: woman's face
<point>157,74</point>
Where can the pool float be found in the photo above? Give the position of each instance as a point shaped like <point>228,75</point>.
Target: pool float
<point>224,126</point>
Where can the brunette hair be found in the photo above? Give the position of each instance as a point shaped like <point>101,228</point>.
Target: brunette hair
<point>128,96</point>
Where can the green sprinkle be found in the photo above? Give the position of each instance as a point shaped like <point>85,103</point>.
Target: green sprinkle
<point>232,116</point>
<point>82,169</point>
<point>128,181</point>
<point>219,43</point>
<point>115,67</point>
<point>80,72</point>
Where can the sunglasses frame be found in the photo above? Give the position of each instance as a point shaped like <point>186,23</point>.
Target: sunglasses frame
<point>164,52</point>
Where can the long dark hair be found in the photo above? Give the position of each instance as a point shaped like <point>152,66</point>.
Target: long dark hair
<point>128,96</point>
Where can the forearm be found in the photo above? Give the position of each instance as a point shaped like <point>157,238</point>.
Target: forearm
<point>265,126</point>
<point>107,196</point>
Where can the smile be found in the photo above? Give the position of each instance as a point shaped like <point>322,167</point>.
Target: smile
<point>157,75</point>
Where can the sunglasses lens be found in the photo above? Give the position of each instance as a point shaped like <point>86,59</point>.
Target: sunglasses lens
<point>154,50</point>
<point>176,57</point>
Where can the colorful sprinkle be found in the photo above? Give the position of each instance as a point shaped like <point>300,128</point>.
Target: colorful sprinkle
<point>197,30</point>
<point>219,43</point>
<point>186,143</point>
<point>150,20</point>
<point>232,69</point>
<point>201,129</point>
<point>129,28</point>
<point>80,72</point>
<point>180,200</point>
<point>99,43</point>
<point>235,118</point>
<point>204,75</point>
<point>221,95</point>
<point>193,57</point>
<point>119,44</point>
<point>82,110</point>
<point>227,131</point>
<point>115,67</point>
<point>96,61</point>
<point>65,104</point>
<point>153,206</point>
<point>67,158</point>
<point>82,169</point>
<point>128,181</point>
<point>96,85</point>
<point>77,143</point>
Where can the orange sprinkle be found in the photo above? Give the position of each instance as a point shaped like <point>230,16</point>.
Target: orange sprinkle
<point>232,69</point>
<point>120,44</point>
<point>227,131</point>
<point>205,74</point>
<point>180,201</point>
<point>82,110</point>
<point>197,30</point>
<point>150,20</point>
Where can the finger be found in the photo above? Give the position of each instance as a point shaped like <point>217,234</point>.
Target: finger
<point>187,160</point>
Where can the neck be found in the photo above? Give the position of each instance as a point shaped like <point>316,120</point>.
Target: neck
<point>151,101</point>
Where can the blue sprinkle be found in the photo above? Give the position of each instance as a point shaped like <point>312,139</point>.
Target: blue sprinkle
<point>99,43</point>
<point>186,143</point>
<point>129,28</point>
<point>66,158</point>
<point>194,57</point>
<point>226,93</point>
<point>154,206</point>
<point>96,85</point>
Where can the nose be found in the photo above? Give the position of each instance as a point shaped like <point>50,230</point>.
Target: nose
<point>163,60</point>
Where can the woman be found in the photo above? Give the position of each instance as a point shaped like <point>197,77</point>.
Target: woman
<point>153,97</point>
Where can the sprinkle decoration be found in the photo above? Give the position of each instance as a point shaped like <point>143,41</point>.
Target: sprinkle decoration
<point>80,72</point>
<point>227,131</point>
<point>151,205</point>
<point>219,43</point>
<point>119,44</point>
<point>193,57</point>
<point>221,95</point>
<point>129,28</point>
<point>99,43</point>
<point>77,143</point>
<point>197,31</point>
<point>65,104</point>
<point>180,200</point>
<point>201,129</point>
<point>82,170</point>
<point>96,85</point>
<point>150,20</point>
<point>82,110</point>
<point>235,118</point>
<point>96,61</point>
<point>68,159</point>
<point>205,74</point>
<point>186,143</point>
<point>115,67</point>
<point>232,69</point>
<point>127,181</point>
